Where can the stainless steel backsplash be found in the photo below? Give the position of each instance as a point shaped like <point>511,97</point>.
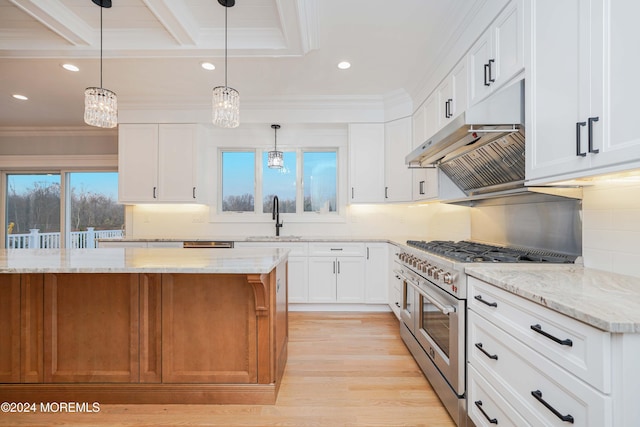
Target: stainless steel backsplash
<point>549,225</point>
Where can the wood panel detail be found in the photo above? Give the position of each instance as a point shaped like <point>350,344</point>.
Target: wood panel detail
<point>10,328</point>
<point>32,328</point>
<point>150,328</point>
<point>208,329</point>
<point>91,328</point>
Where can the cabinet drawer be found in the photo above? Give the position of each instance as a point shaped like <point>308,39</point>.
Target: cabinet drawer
<point>589,350</point>
<point>336,249</point>
<point>486,407</point>
<point>517,372</point>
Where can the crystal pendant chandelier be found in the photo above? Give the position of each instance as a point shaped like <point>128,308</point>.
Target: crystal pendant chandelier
<point>100,104</point>
<point>226,100</point>
<point>276,159</point>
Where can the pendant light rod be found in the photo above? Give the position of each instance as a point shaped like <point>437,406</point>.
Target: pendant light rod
<point>275,136</point>
<point>100,48</point>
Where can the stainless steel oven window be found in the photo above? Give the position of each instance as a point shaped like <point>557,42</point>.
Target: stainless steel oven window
<point>435,323</point>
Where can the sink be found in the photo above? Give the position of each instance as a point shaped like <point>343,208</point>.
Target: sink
<point>272,238</point>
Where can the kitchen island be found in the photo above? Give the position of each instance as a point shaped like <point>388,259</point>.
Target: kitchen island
<point>143,325</point>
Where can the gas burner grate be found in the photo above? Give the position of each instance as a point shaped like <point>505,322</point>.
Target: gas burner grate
<point>467,251</point>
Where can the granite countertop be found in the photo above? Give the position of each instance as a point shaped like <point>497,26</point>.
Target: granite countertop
<point>141,260</point>
<point>607,301</point>
<point>253,239</point>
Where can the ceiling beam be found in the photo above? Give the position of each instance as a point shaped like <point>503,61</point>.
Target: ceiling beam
<point>59,19</point>
<point>176,19</point>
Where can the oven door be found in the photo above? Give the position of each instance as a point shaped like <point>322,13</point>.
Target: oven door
<point>408,307</point>
<point>440,330</point>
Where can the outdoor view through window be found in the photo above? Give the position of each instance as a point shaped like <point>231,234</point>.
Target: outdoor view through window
<point>33,209</point>
<point>318,179</point>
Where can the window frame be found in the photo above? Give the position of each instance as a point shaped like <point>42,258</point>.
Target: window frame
<point>300,216</point>
<point>65,199</point>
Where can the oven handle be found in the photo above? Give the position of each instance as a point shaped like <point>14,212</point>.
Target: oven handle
<point>445,309</point>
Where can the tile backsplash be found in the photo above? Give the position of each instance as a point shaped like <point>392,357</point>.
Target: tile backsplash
<point>611,227</point>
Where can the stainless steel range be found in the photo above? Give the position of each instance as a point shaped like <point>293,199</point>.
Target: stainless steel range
<point>433,311</point>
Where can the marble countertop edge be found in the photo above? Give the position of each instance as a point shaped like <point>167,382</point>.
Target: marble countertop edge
<point>607,301</point>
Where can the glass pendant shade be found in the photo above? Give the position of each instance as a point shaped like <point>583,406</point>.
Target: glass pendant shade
<point>100,104</point>
<point>100,107</point>
<point>226,107</point>
<point>275,160</point>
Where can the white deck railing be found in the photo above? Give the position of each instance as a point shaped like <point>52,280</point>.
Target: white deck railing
<point>77,239</point>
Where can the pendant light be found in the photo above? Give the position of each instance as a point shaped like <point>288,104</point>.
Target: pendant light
<point>226,100</point>
<point>100,104</point>
<point>276,159</point>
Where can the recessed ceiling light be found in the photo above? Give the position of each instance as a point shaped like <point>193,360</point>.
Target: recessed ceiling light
<point>208,66</point>
<point>20,97</point>
<point>70,67</point>
<point>344,65</point>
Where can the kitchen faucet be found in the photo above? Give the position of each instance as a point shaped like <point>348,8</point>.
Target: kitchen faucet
<point>275,214</point>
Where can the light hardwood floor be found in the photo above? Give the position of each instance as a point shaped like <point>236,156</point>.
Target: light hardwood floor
<point>344,369</point>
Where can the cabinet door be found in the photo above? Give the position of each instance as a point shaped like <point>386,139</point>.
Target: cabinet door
<point>297,279</point>
<point>137,163</point>
<point>322,279</point>
<point>177,170</point>
<point>91,328</point>
<point>508,43</point>
<point>459,83</point>
<point>398,176</point>
<point>425,184</point>
<point>431,111</point>
<point>366,163</point>
<point>350,279</point>
<point>418,121</point>
<point>9,328</point>
<point>620,141</point>
<point>479,56</point>
<point>557,88</point>
<point>376,273</point>
<point>445,102</point>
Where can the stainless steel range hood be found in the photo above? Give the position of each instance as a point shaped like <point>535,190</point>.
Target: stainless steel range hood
<point>498,115</point>
<point>483,150</point>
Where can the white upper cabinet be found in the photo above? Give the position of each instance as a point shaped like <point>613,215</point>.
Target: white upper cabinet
<point>398,176</point>
<point>581,89</point>
<point>160,163</point>
<point>137,163</point>
<point>498,55</point>
<point>366,163</point>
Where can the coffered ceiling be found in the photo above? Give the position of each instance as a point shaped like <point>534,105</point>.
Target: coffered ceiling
<point>152,51</point>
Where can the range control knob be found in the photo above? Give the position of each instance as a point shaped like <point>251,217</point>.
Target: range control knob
<point>448,278</point>
<point>436,274</point>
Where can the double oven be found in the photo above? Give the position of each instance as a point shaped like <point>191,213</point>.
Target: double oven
<point>433,322</point>
<point>434,305</point>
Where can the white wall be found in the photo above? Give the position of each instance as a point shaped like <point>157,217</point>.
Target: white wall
<point>611,227</point>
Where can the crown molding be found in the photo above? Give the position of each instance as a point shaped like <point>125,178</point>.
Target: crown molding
<point>57,131</point>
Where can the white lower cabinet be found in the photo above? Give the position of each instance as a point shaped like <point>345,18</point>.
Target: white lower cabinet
<point>529,365</point>
<point>336,272</point>
<point>376,273</point>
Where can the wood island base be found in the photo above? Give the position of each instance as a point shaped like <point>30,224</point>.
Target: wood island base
<point>143,337</point>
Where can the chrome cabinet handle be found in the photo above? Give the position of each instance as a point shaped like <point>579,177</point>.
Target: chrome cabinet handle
<point>538,395</point>
<point>193,192</point>
<point>154,193</point>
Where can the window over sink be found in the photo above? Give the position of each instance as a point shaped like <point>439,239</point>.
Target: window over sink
<point>306,184</point>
